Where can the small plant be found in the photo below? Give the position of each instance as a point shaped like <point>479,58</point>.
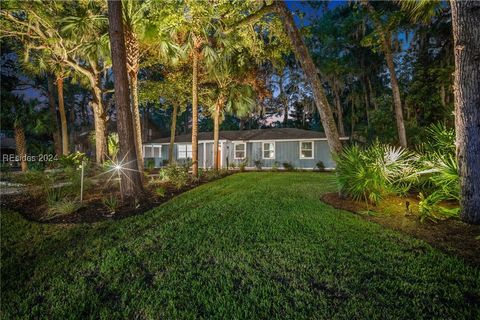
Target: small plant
<point>258,164</point>
<point>150,165</point>
<point>73,160</point>
<point>177,175</point>
<point>233,165</point>
<point>111,203</point>
<point>275,166</point>
<point>243,164</point>
<point>288,166</point>
<point>320,166</point>
<point>65,206</point>
<point>161,191</point>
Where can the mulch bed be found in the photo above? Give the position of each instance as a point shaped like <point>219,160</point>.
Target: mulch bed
<point>33,208</point>
<point>451,236</point>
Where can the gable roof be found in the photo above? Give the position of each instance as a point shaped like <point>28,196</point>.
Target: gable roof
<point>248,135</point>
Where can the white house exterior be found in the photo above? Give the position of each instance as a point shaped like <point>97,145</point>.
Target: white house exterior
<point>301,148</point>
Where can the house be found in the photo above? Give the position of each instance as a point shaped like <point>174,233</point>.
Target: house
<point>301,148</point>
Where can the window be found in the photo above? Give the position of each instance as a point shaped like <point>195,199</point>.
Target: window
<point>184,151</point>
<point>268,150</point>
<point>152,151</point>
<point>240,150</point>
<point>306,149</point>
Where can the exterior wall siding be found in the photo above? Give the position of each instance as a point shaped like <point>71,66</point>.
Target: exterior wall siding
<point>285,151</point>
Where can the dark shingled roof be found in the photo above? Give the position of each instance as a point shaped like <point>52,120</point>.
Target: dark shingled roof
<point>243,135</point>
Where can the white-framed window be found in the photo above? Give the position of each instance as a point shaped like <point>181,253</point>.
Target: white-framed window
<point>268,150</point>
<point>184,151</point>
<point>152,151</point>
<point>240,150</point>
<point>306,149</point>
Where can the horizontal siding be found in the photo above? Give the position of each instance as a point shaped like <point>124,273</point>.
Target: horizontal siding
<point>285,151</point>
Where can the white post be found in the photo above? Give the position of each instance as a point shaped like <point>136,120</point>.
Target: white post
<point>204,155</point>
<point>81,183</point>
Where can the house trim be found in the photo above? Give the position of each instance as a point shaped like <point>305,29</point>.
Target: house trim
<point>235,143</point>
<point>263,149</point>
<point>300,150</point>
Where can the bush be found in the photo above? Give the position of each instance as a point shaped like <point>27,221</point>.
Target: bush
<point>320,166</point>
<point>73,160</point>
<point>375,172</point>
<point>243,164</point>
<point>258,164</point>
<point>275,166</point>
<point>176,175</point>
<point>65,206</point>
<point>111,203</point>
<point>150,165</point>
<point>288,166</point>
<point>438,177</point>
<point>160,191</point>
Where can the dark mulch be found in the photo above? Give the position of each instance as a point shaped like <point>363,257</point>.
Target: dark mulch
<point>452,236</point>
<point>33,207</point>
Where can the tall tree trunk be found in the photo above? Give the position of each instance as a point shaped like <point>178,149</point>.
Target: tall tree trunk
<point>131,178</point>
<point>173,127</point>
<point>443,95</point>
<point>21,145</point>
<point>366,101</point>
<point>303,56</point>
<point>133,57</point>
<point>338,105</point>
<point>100,124</point>
<point>57,140</point>
<point>63,117</point>
<point>373,101</point>
<point>387,51</point>
<point>196,58</point>
<point>216,129</point>
<point>466,35</point>
<point>136,120</point>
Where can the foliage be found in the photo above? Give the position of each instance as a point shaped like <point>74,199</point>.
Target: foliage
<point>111,203</point>
<point>275,166</point>
<point>176,175</point>
<point>73,160</point>
<point>113,145</point>
<point>258,164</point>
<point>64,206</point>
<point>288,166</point>
<point>243,164</point>
<point>160,191</point>
<point>195,243</point>
<point>320,166</point>
<point>372,173</point>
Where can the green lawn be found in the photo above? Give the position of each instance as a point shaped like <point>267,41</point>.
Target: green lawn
<point>252,245</point>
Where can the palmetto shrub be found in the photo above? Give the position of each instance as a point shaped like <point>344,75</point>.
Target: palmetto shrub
<point>374,172</point>
<point>438,174</point>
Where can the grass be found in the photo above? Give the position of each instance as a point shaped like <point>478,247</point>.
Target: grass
<point>252,245</point>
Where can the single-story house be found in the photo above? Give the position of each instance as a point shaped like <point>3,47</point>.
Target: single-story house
<point>271,147</point>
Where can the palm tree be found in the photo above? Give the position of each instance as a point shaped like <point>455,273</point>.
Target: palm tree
<point>134,17</point>
<point>131,178</point>
<point>78,41</point>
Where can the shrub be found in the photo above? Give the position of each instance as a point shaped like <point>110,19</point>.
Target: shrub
<point>243,164</point>
<point>258,164</point>
<point>73,160</point>
<point>65,206</point>
<point>160,191</point>
<point>177,175</point>
<point>275,166</point>
<point>320,166</point>
<point>438,177</point>
<point>150,165</point>
<point>375,172</point>
<point>111,203</point>
<point>288,166</point>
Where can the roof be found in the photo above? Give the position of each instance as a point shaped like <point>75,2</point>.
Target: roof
<point>248,135</point>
